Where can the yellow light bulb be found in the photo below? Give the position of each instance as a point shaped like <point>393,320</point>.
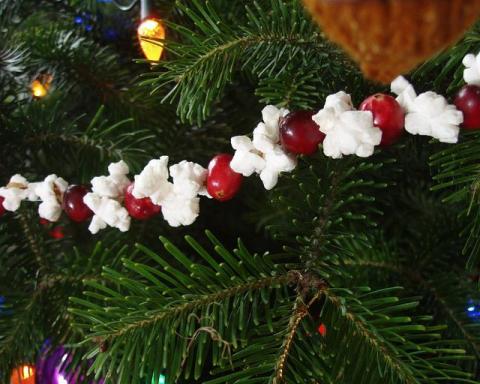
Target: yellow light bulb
<point>38,89</point>
<point>41,85</point>
<point>154,30</point>
<point>27,372</point>
<point>24,374</point>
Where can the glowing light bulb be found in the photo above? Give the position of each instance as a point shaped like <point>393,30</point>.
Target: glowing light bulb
<point>41,85</point>
<point>470,309</point>
<point>38,89</point>
<point>24,374</point>
<point>27,372</point>
<point>151,29</point>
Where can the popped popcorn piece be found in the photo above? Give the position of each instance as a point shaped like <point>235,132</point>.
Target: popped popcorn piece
<point>277,161</point>
<point>247,159</point>
<point>266,135</point>
<point>104,200</point>
<point>182,206</point>
<point>178,199</point>
<point>30,192</point>
<point>263,154</point>
<point>339,102</point>
<point>153,181</point>
<point>429,113</point>
<point>15,192</point>
<point>179,210</point>
<point>347,131</point>
<point>405,91</point>
<point>50,192</point>
<point>189,179</point>
<point>271,116</point>
<point>471,73</point>
<point>115,183</point>
<point>106,211</point>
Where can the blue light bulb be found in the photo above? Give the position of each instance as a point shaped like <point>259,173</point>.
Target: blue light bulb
<point>473,309</point>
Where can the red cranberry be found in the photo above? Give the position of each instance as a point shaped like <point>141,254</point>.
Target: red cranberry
<point>388,115</point>
<point>73,204</point>
<point>140,209</point>
<point>222,181</point>
<point>322,329</point>
<point>57,232</point>
<point>299,134</point>
<point>468,101</point>
<point>2,209</point>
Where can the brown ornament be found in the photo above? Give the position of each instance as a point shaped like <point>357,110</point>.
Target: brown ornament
<point>391,37</point>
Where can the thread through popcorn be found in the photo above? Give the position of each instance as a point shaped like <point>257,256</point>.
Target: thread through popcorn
<point>177,188</point>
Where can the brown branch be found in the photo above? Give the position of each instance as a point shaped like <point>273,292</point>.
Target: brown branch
<point>306,282</point>
<point>299,312</point>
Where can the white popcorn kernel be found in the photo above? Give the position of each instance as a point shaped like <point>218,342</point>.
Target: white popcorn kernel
<point>178,199</point>
<point>96,225</point>
<point>115,183</point>
<point>271,116</point>
<point>178,210</point>
<point>433,116</point>
<point>471,73</point>
<point>104,200</point>
<point>15,192</point>
<point>106,211</point>
<point>347,132</point>
<point>263,141</point>
<point>340,102</point>
<point>182,206</point>
<point>188,178</point>
<point>50,192</point>
<point>30,192</point>
<point>153,181</point>
<point>277,161</point>
<point>405,91</point>
<point>246,160</point>
<point>263,154</point>
<point>429,113</point>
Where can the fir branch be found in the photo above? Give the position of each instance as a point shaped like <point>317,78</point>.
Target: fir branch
<point>315,207</point>
<point>458,170</point>
<point>300,310</point>
<point>80,146</point>
<point>33,241</point>
<point>388,359</point>
<point>192,294</point>
<point>164,308</point>
<point>439,289</point>
<point>205,60</point>
<point>205,300</point>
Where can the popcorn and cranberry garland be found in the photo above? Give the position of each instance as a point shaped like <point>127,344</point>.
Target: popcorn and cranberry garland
<point>175,191</point>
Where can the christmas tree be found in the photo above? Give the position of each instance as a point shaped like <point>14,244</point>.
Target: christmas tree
<point>349,256</point>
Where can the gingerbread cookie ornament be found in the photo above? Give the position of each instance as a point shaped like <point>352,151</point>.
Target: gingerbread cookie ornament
<point>391,37</point>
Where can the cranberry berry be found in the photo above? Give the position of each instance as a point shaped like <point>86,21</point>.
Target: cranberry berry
<point>388,115</point>
<point>73,204</point>
<point>468,101</point>
<point>299,134</point>
<point>222,181</point>
<point>140,209</point>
